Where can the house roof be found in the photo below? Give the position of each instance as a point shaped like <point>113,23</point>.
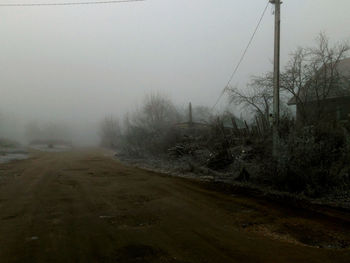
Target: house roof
<point>343,90</point>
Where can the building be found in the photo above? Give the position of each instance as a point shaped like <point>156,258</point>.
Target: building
<point>326,97</point>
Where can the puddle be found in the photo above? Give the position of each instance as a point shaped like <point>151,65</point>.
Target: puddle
<point>12,154</point>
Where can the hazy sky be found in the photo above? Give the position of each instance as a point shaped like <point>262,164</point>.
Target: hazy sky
<point>78,63</point>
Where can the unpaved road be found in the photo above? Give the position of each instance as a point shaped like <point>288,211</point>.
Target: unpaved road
<point>82,206</point>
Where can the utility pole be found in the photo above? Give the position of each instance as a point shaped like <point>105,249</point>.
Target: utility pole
<point>276,76</point>
<point>190,121</point>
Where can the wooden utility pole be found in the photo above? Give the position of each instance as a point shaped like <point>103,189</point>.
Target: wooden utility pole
<point>190,121</point>
<point>276,76</point>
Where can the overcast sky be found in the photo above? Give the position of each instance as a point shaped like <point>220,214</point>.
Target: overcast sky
<point>78,63</point>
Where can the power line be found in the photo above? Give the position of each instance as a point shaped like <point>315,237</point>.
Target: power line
<point>242,57</point>
<point>70,3</point>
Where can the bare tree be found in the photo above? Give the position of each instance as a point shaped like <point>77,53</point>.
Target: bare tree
<point>313,75</point>
<point>257,97</point>
<point>110,132</point>
<point>150,129</point>
<point>157,113</point>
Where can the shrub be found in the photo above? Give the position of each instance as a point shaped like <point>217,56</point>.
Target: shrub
<point>311,161</point>
<point>150,130</point>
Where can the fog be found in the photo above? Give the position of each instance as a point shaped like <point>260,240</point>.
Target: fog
<point>76,64</point>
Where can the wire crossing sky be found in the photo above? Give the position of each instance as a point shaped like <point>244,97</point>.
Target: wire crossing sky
<point>70,3</point>
<point>78,64</point>
<point>242,57</point>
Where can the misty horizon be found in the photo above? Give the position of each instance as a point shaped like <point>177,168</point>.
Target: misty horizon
<point>77,64</point>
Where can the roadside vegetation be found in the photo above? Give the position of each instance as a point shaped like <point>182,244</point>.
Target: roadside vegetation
<point>314,159</point>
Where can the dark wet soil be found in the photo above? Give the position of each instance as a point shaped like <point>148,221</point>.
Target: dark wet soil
<point>83,206</point>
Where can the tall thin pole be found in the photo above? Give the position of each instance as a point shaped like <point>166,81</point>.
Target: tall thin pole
<point>276,78</point>
<point>190,114</point>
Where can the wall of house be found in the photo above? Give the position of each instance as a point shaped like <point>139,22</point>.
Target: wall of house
<point>332,110</point>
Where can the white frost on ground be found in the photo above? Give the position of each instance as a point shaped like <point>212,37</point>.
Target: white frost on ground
<point>12,154</point>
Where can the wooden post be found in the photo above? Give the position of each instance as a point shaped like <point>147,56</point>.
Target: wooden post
<point>190,121</point>
<point>276,76</point>
<point>258,127</point>
<point>234,124</point>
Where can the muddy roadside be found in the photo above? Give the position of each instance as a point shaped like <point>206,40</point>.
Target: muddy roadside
<point>73,194</point>
<point>229,183</point>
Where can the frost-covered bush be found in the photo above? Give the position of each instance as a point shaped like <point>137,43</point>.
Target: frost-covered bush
<point>150,130</point>
<point>313,161</point>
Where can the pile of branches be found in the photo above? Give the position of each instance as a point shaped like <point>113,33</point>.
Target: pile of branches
<point>182,149</point>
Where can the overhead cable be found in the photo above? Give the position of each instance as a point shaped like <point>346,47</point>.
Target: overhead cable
<point>69,3</point>
<point>242,57</point>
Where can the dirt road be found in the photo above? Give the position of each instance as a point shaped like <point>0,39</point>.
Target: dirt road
<point>82,206</point>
